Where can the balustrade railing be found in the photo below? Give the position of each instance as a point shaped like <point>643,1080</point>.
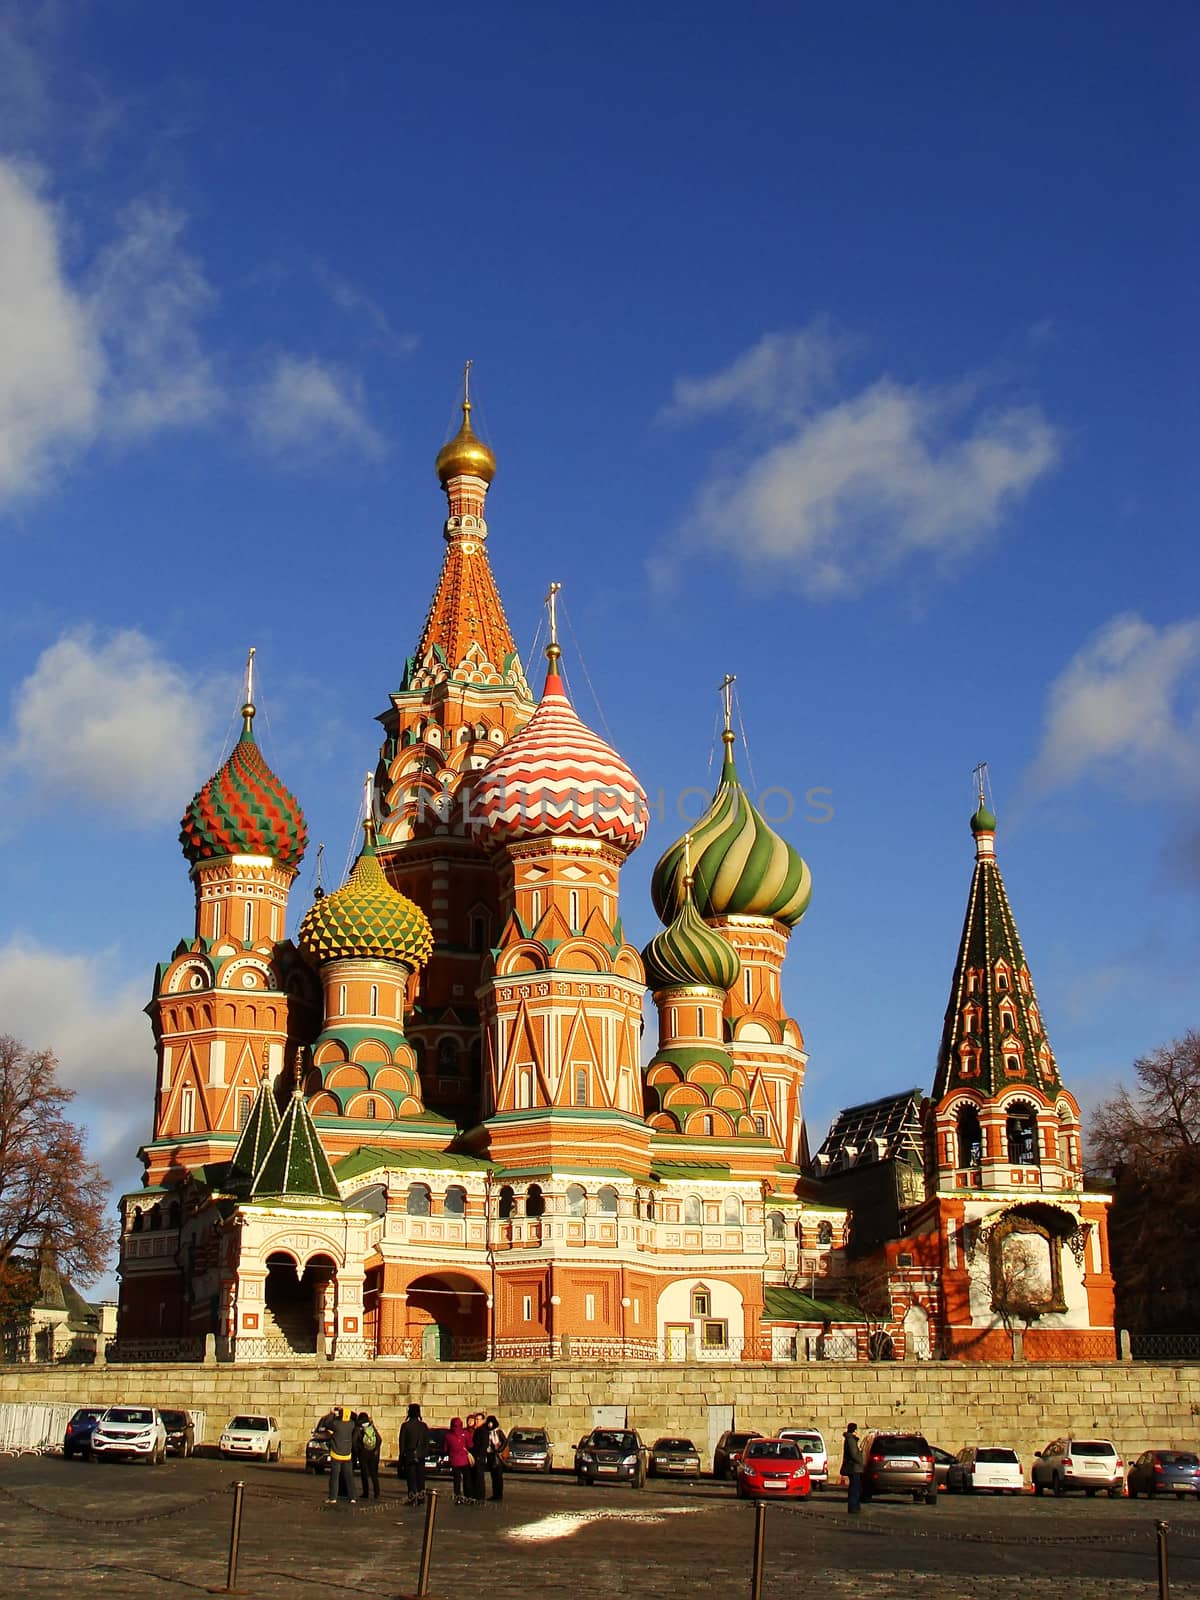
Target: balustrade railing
<point>1164,1346</point>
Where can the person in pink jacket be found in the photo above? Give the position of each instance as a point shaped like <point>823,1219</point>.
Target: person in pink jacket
<point>458,1444</point>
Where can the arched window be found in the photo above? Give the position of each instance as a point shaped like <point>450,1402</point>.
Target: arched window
<point>576,1200</point>
<point>825,1233</point>
<point>581,1086</point>
<point>507,1203</point>
<point>1021,1130</point>
<point>245,1101</point>
<point>454,1201</point>
<point>574,911</point>
<point>777,1225</point>
<point>374,999</point>
<point>371,1109</point>
<point>524,1088</point>
<point>535,1201</point>
<point>693,1211</point>
<point>733,1211</point>
<point>447,1058</point>
<point>478,931</point>
<point>606,1201</point>
<point>417,1204</point>
<point>651,1207</point>
<point>970,1137</point>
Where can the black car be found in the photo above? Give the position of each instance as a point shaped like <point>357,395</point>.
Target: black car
<point>614,1453</point>
<point>316,1452</point>
<point>181,1432</point>
<point>674,1458</point>
<point>528,1450</point>
<point>77,1441</point>
<point>729,1451</point>
<point>1174,1472</point>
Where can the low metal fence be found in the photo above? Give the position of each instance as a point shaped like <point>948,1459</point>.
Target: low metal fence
<point>1164,1346</point>
<point>153,1351</point>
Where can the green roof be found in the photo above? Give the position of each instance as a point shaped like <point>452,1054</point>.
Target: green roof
<point>567,1171</point>
<point>688,1055</point>
<point>369,1158</point>
<point>791,1305</point>
<point>691,1169</point>
<point>261,1127</point>
<point>296,1166</point>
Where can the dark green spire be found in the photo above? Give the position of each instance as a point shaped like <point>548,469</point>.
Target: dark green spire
<point>261,1127</point>
<point>296,1166</point>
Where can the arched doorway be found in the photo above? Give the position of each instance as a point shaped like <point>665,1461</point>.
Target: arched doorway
<point>916,1333</point>
<point>290,1319</point>
<point>448,1312</point>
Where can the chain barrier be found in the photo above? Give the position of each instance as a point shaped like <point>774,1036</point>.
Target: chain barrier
<point>114,1522</point>
<point>1060,1541</point>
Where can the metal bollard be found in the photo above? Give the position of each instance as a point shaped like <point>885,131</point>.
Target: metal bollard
<point>1164,1582</point>
<point>427,1544</point>
<point>235,1537</point>
<point>760,1530</point>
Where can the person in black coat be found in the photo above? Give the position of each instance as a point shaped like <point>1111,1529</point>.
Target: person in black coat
<point>338,1427</point>
<point>480,1442</point>
<point>497,1439</point>
<point>414,1446</point>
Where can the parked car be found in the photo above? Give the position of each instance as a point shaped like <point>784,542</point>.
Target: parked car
<point>672,1457</point>
<point>729,1451</point>
<point>252,1434</point>
<point>773,1469</point>
<point>942,1462</point>
<point>1174,1472</point>
<point>899,1463</point>
<point>78,1437</point>
<point>181,1432</point>
<point>985,1466</point>
<point>528,1450</point>
<point>130,1432</point>
<point>437,1457</point>
<point>316,1452</point>
<point>812,1448</point>
<point>1087,1464</point>
<point>616,1453</point>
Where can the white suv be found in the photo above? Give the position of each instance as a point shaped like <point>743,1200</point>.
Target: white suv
<point>1087,1464</point>
<point>134,1431</point>
<point>986,1466</point>
<point>812,1448</point>
<point>252,1434</point>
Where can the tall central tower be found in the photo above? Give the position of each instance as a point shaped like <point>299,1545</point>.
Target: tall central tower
<point>463,694</point>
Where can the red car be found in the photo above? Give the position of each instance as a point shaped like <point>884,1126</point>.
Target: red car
<point>773,1469</point>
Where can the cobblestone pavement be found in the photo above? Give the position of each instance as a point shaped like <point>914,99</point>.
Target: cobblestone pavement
<point>125,1530</point>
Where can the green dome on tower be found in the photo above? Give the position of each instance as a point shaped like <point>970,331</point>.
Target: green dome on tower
<point>690,952</point>
<point>740,866</point>
<point>984,821</point>
<point>367,919</point>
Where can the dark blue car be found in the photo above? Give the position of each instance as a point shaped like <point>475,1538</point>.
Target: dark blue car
<point>77,1441</point>
<point>1174,1472</point>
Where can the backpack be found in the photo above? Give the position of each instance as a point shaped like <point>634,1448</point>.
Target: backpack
<point>370,1439</point>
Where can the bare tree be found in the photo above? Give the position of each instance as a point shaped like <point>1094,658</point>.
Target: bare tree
<point>1018,1293</point>
<point>1147,1143</point>
<point>52,1199</point>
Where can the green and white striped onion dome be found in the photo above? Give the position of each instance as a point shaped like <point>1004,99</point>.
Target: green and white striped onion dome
<point>690,952</point>
<point>740,865</point>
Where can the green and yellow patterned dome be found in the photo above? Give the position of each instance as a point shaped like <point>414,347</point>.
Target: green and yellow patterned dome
<point>741,867</point>
<point>690,952</point>
<point>366,919</point>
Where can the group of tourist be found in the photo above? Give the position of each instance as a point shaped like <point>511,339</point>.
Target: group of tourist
<point>473,1448</point>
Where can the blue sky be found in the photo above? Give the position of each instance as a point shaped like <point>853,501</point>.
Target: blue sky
<point>849,349</point>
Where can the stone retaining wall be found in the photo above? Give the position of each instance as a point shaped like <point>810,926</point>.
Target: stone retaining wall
<point>1136,1405</point>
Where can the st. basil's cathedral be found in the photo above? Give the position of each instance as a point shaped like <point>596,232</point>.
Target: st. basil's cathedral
<point>427,1129</point>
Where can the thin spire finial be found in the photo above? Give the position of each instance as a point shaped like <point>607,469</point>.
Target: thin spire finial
<point>248,704</point>
<point>466,401</point>
<point>319,891</point>
<point>728,737</point>
<point>552,650</point>
<point>369,808</point>
<point>687,862</point>
<point>979,773</point>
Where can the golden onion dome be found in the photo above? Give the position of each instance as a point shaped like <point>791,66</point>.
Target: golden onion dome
<point>465,453</point>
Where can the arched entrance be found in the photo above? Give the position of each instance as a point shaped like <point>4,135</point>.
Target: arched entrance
<point>448,1312</point>
<point>297,1303</point>
<point>916,1333</point>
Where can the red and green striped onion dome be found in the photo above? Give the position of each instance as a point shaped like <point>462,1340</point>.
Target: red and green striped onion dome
<point>558,777</point>
<point>740,866</point>
<point>366,919</point>
<point>244,810</point>
<point>690,952</point>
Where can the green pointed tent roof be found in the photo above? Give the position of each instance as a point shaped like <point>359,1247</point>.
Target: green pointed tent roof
<point>740,865</point>
<point>690,952</point>
<point>989,1056</point>
<point>296,1166</point>
<point>261,1127</point>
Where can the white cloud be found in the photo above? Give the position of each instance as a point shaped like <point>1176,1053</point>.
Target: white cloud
<point>51,364</point>
<point>112,722</point>
<point>834,496</point>
<point>780,376</point>
<point>147,298</point>
<point>305,404</point>
<point>1125,706</point>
